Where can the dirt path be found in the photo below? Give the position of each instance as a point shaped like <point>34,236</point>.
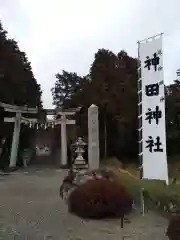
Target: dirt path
<point>30,208</point>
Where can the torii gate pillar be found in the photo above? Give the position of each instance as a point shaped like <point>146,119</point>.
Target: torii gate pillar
<point>15,140</point>
<point>63,141</point>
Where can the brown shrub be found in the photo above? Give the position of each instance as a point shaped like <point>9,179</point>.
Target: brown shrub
<point>100,198</point>
<point>173,230</point>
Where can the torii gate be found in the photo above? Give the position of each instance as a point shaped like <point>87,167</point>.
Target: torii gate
<point>18,119</point>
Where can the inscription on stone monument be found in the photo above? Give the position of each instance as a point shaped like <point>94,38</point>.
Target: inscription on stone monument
<point>93,137</point>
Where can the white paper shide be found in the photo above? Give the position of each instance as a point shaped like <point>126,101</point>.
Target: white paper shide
<point>153,110</point>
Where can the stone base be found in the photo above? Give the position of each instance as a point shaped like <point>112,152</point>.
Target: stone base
<point>12,169</point>
<point>80,167</point>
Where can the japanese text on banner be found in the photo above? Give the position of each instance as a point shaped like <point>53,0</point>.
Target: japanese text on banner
<point>153,110</point>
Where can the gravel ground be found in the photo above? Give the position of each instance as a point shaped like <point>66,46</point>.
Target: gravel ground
<point>30,208</point>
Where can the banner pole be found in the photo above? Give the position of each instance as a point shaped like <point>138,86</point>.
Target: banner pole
<point>140,153</point>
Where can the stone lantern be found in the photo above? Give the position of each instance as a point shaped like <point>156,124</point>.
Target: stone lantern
<point>79,162</point>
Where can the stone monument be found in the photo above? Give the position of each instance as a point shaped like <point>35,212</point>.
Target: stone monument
<point>93,137</point>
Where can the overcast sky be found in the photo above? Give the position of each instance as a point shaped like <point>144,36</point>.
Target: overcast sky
<point>65,34</point>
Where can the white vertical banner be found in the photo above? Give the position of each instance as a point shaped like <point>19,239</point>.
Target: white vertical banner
<point>153,110</point>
